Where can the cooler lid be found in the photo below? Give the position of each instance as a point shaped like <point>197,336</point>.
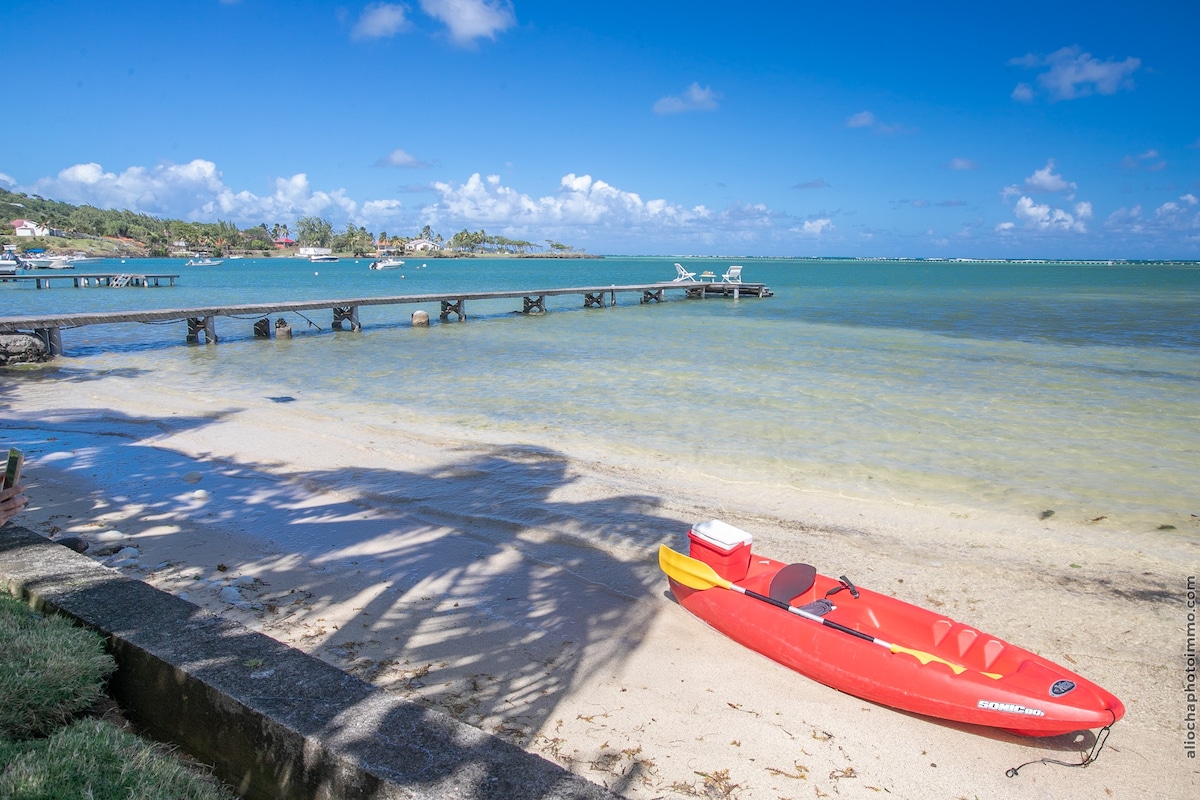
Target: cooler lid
<point>721,534</point>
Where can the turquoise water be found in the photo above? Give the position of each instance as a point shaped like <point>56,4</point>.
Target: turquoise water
<point>989,386</point>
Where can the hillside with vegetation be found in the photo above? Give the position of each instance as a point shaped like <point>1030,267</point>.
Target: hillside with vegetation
<point>127,233</point>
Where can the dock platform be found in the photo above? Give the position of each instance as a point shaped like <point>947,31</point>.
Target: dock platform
<point>202,321</point>
<point>85,279</point>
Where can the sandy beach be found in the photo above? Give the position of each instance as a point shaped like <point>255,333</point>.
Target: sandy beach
<point>549,624</point>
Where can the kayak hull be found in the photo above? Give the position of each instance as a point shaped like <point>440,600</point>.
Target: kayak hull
<point>1001,686</point>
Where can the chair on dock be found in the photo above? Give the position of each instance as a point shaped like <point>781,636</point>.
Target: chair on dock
<point>682,274</point>
<point>732,275</point>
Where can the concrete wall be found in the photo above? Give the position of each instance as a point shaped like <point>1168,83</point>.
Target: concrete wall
<point>273,721</point>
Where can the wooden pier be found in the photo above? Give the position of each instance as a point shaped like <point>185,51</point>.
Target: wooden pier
<point>202,321</point>
<point>85,279</point>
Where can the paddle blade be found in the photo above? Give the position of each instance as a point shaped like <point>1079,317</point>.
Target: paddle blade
<point>792,581</point>
<point>688,571</point>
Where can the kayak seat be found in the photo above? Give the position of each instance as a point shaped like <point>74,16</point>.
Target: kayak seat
<point>791,582</point>
<point>966,638</point>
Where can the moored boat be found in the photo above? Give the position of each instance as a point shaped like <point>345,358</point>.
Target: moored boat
<point>203,262</point>
<point>387,263</point>
<point>49,262</point>
<point>877,647</point>
<point>323,258</point>
<point>9,263</point>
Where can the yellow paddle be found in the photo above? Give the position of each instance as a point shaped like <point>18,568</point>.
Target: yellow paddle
<point>695,574</point>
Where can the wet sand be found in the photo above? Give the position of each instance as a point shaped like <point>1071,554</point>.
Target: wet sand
<point>516,587</point>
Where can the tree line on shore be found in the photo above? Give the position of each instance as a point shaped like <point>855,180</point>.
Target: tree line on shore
<point>162,237</point>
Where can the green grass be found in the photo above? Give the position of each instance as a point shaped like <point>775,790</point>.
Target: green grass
<point>94,759</point>
<point>50,670</point>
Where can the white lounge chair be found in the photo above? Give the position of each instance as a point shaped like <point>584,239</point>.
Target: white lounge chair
<point>732,275</point>
<point>682,274</point>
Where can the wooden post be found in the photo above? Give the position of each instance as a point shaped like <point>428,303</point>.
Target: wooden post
<point>348,314</point>
<point>453,307</point>
<point>535,306</point>
<point>198,324</point>
<point>52,338</point>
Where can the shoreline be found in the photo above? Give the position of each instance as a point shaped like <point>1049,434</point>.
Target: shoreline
<point>549,623</point>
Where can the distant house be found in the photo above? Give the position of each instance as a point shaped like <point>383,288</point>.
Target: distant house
<point>421,246</point>
<point>25,227</point>
<point>283,241</point>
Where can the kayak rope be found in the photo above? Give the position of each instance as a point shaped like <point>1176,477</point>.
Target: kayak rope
<point>844,583</point>
<point>1088,758</point>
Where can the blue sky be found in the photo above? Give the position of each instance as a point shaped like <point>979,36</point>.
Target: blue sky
<point>756,128</point>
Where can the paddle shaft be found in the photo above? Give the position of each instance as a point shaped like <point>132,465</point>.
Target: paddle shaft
<point>801,612</point>
<point>786,607</point>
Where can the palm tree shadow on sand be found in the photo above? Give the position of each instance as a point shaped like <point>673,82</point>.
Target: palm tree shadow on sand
<point>483,589</point>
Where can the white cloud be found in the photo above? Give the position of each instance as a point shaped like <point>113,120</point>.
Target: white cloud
<point>1072,73</point>
<point>7,180</point>
<point>163,189</point>
<point>863,119</point>
<point>195,191</point>
<point>1128,220</point>
<point>960,164</point>
<point>381,210</point>
<point>694,98</point>
<point>816,227</point>
<point>1042,180</point>
<point>472,19</point>
<point>1043,217</point>
<point>1173,216</point>
<point>1140,161</point>
<point>401,158</point>
<point>380,21</point>
<point>1005,227</point>
<point>582,209</point>
<point>579,201</point>
<point>1170,218</point>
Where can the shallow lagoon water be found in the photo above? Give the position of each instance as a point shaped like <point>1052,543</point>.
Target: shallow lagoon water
<point>1015,388</point>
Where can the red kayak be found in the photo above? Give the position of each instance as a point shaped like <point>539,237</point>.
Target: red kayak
<point>877,647</point>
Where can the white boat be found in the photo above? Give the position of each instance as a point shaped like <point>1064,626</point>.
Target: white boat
<point>10,262</point>
<point>202,262</point>
<point>81,257</point>
<point>387,263</point>
<point>322,259</point>
<point>49,262</point>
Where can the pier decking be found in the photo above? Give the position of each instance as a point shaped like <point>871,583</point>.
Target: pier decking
<point>85,279</point>
<point>203,320</point>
